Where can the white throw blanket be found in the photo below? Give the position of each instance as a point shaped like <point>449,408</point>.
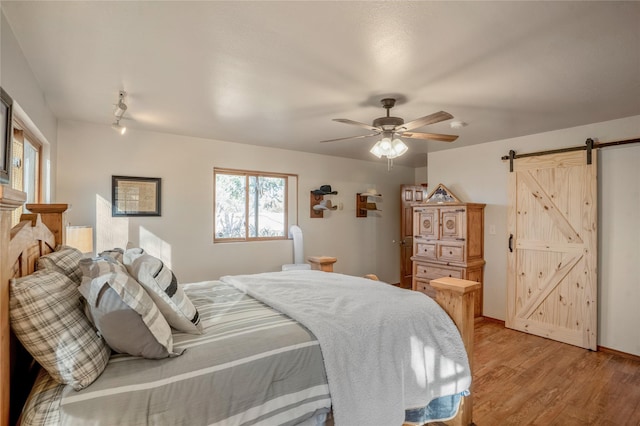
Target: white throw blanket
<point>385,349</point>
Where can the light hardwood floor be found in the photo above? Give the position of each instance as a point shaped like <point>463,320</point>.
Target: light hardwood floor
<point>521,379</point>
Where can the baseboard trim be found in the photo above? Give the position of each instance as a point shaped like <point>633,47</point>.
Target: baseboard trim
<point>604,349</point>
<point>619,353</point>
<point>489,319</point>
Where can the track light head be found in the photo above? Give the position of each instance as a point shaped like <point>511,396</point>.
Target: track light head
<point>121,107</point>
<point>118,127</point>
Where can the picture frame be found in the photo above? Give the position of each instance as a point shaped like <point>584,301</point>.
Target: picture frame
<point>135,196</point>
<point>6,136</point>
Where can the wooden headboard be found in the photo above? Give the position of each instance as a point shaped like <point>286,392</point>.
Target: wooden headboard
<point>20,248</point>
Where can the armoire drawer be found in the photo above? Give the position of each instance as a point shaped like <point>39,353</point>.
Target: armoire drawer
<point>431,272</point>
<point>424,287</point>
<point>426,250</point>
<point>451,252</point>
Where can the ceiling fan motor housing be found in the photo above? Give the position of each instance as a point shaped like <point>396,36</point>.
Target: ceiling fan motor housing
<point>388,123</point>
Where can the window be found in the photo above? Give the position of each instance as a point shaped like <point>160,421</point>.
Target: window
<point>252,206</point>
<point>25,165</point>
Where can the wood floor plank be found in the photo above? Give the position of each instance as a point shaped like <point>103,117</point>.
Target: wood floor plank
<point>521,379</point>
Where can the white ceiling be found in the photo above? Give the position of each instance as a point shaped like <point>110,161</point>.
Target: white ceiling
<point>276,73</point>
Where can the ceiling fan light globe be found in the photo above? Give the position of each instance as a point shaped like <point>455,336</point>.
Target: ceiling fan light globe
<point>385,144</point>
<point>376,150</point>
<point>399,147</point>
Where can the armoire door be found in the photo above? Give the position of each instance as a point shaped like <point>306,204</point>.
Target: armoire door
<point>552,257</point>
<point>409,195</point>
<point>452,223</point>
<point>427,222</point>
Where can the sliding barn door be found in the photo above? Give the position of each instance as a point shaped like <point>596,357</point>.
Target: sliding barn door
<point>552,220</point>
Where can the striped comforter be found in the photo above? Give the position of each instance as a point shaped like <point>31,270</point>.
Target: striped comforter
<point>253,365</point>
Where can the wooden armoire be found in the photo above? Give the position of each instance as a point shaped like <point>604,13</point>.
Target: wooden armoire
<point>448,241</point>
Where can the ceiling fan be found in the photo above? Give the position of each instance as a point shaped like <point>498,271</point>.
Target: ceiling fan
<point>391,127</point>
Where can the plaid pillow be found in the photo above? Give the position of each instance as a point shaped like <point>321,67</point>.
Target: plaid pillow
<point>43,405</point>
<point>163,287</point>
<point>46,316</point>
<point>65,260</point>
<point>124,313</point>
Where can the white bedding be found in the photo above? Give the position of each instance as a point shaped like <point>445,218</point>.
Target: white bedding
<point>385,349</point>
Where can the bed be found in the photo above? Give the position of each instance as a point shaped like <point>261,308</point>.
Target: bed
<point>244,299</point>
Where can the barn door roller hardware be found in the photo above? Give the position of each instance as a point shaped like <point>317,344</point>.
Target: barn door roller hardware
<point>589,146</point>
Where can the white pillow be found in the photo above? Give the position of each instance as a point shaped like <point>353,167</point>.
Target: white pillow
<point>164,289</point>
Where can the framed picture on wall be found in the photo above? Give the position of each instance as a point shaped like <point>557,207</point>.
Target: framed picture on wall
<point>6,136</point>
<point>135,196</point>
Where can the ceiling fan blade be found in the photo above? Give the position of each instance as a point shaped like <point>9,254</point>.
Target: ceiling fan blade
<point>429,136</point>
<point>350,137</point>
<point>357,123</point>
<point>429,119</point>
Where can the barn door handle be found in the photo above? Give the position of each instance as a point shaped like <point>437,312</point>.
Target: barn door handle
<point>511,243</point>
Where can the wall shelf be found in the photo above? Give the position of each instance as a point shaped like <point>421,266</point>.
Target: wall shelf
<point>364,203</point>
<point>317,203</point>
<point>315,200</point>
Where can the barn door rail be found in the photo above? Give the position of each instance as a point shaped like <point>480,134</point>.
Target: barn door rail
<point>588,146</point>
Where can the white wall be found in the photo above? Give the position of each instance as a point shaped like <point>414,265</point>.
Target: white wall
<point>478,174</point>
<point>89,154</point>
<point>17,79</point>
<point>421,176</point>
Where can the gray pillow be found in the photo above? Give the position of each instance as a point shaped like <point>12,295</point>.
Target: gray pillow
<point>123,312</point>
<point>46,316</point>
<point>66,260</point>
<point>164,289</point>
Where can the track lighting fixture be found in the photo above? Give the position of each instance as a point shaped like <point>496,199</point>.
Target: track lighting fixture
<point>121,108</point>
